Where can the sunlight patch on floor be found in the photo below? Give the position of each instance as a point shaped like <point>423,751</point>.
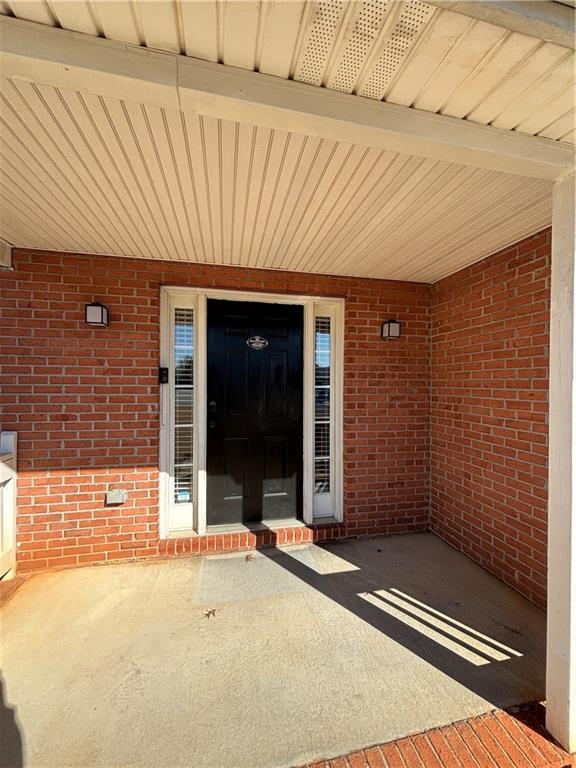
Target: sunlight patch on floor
<point>473,646</point>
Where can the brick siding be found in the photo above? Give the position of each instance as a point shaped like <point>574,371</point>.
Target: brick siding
<point>84,402</point>
<point>489,412</point>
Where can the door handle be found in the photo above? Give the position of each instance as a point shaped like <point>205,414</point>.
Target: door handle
<point>212,412</point>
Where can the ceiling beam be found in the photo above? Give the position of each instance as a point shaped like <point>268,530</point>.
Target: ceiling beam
<point>70,60</point>
<point>546,20</point>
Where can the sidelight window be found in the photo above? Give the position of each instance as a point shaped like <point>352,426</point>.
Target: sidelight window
<point>322,399</point>
<point>326,408</point>
<point>183,404</point>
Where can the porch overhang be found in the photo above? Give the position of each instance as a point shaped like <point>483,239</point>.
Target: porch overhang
<point>157,155</point>
<point>63,59</point>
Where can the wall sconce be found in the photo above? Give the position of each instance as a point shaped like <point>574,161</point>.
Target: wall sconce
<point>96,314</point>
<point>391,329</point>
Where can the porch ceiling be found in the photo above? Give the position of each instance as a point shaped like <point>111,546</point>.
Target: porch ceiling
<point>93,174</point>
<point>399,51</point>
<point>132,164</point>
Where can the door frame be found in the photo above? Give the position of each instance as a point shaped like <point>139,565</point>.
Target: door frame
<point>189,519</point>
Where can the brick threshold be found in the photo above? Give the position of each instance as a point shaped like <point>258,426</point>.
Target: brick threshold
<point>500,739</point>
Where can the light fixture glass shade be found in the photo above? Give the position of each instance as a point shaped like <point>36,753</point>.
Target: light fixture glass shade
<point>391,329</point>
<point>96,314</point>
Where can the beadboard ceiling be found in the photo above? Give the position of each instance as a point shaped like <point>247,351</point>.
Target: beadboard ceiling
<point>86,173</point>
<point>401,51</point>
<point>96,174</point>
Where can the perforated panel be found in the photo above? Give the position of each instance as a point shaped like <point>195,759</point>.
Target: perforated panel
<point>411,22</point>
<point>318,43</point>
<point>359,44</point>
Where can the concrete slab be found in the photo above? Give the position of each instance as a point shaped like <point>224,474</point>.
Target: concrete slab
<point>267,661</point>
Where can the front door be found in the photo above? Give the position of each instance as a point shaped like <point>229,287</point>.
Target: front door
<point>254,412</point>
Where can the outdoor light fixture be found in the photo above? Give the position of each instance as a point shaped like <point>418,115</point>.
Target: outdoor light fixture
<point>96,314</point>
<point>391,329</point>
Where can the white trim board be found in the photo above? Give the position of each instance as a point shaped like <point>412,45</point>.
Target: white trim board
<point>183,520</point>
<point>66,59</point>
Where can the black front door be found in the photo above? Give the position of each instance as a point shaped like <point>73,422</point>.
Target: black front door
<point>254,422</point>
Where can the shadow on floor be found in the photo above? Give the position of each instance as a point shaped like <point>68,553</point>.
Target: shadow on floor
<point>11,742</point>
<point>495,648</point>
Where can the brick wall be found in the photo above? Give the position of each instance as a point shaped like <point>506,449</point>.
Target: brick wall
<point>85,403</point>
<point>489,408</point>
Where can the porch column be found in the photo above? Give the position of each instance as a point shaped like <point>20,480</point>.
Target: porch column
<point>561,647</point>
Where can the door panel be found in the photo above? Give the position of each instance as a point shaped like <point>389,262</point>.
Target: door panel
<point>254,435</point>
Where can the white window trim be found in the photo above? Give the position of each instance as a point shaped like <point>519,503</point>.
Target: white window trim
<point>184,520</point>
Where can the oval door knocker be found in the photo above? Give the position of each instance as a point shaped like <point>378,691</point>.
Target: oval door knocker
<point>257,342</point>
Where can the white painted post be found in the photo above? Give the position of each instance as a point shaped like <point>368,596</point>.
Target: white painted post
<point>561,646</point>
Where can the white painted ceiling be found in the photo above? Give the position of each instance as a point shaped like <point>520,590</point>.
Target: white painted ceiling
<point>401,51</point>
<point>87,173</point>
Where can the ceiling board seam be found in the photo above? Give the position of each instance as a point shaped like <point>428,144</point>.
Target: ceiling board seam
<point>311,165</point>
<point>95,16</point>
<point>234,186</point>
<point>551,104</point>
<point>562,117</point>
<point>167,188</point>
<point>304,254</point>
<point>317,219</point>
<point>263,11</point>
<point>32,174</point>
<point>509,74</point>
<point>27,202</point>
<point>82,163</point>
<point>325,254</point>
<point>441,197</point>
<point>193,180</point>
<point>503,226</point>
<point>396,198</point>
<point>422,189</point>
<point>273,195</point>
<point>438,68</point>
<point>179,183</point>
<point>179,25</point>
<point>530,87</point>
<point>502,195</point>
<point>25,221</point>
<point>137,21</point>
<point>480,65</point>
<point>207,187</point>
<point>295,170</point>
<point>35,141</point>
<point>247,190</point>
<point>220,10</point>
<point>479,190</point>
<point>310,197</point>
<point>122,149</point>
<point>220,182</point>
<point>140,152</point>
<point>52,13</point>
<point>55,215</point>
<point>413,50</point>
<point>261,191</point>
<point>130,164</point>
<point>90,149</point>
<point>389,188</point>
<point>307,11</point>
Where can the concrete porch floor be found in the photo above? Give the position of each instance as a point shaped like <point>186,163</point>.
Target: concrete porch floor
<point>276,658</point>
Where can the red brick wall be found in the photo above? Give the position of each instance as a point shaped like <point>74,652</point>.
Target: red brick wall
<point>489,410</point>
<point>85,402</point>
